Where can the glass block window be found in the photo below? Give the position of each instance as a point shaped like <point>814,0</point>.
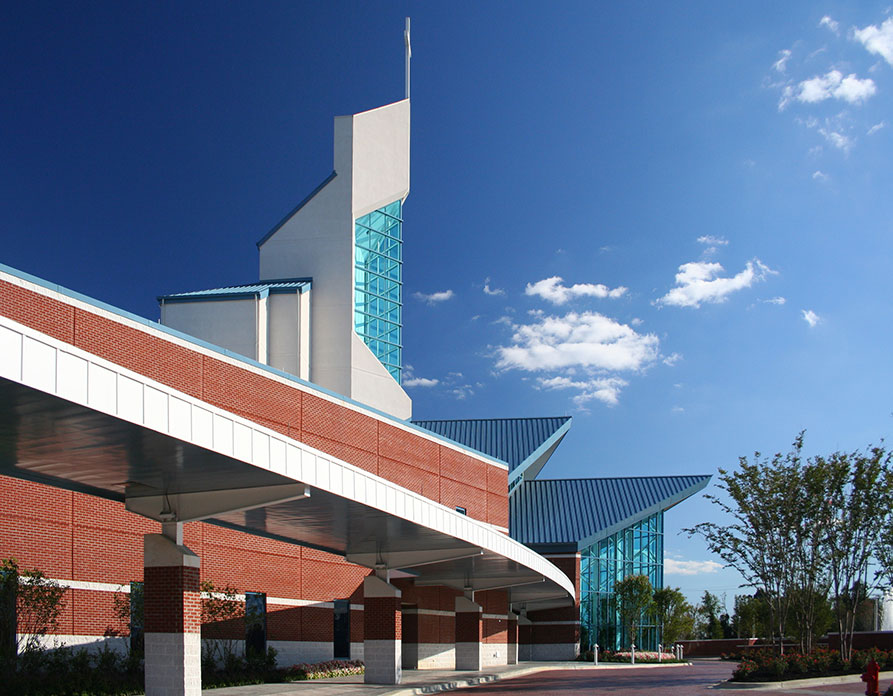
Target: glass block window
<point>378,284</point>
<point>636,550</point>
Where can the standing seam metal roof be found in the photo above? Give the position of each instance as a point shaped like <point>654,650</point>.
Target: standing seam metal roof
<point>566,511</point>
<point>288,285</point>
<point>511,440</point>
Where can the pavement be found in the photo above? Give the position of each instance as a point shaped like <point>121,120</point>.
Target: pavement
<point>698,678</point>
<point>421,681</point>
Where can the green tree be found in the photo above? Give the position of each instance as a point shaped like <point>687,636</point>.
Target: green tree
<point>860,492</point>
<point>223,607</point>
<point>634,597</point>
<point>710,612</point>
<point>30,606</point>
<point>760,541</point>
<point>673,614</point>
<point>751,618</point>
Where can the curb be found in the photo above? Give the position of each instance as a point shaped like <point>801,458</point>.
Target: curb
<point>796,683</point>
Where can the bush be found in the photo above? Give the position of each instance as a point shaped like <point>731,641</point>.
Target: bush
<point>765,665</point>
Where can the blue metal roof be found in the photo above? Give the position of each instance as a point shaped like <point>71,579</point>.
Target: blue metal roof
<point>235,291</point>
<point>579,512</point>
<point>519,442</point>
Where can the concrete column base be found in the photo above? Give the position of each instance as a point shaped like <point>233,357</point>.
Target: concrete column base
<point>383,629</point>
<point>173,664</point>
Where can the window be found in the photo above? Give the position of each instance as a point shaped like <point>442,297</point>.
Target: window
<point>378,284</point>
<point>461,510</point>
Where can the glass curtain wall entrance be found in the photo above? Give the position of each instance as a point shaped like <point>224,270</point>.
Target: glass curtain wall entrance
<point>636,550</point>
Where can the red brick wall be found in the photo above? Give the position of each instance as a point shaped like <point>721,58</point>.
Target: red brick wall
<point>417,463</point>
<point>72,536</point>
<point>468,627</point>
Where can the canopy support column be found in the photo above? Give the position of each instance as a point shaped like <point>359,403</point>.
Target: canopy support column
<point>469,625</point>
<point>382,626</point>
<point>172,615</point>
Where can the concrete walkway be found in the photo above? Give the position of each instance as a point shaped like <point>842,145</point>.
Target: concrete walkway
<point>417,681</point>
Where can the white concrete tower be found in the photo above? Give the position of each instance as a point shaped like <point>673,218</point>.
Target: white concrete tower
<point>347,237</point>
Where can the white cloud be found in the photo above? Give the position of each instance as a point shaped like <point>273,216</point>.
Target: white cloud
<point>782,63</point>
<point>434,297</point>
<point>585,340</point>
<point>699,281</point>
<point>672,359</point>
<point>819,175</point>
<point>604,389</point>
<point>838,140</point>
<point>553,290</point>
<point>876,127</point>
<point>677,409</point>
<point>635,321</point>
<point>713,241</point>
<point>830,23</point>
<point>810,317</point>
<point>492,291</point>
<point>674,567</point>
<point>420,382</point>
<point>775,300</point>
<point>831,85</point>
<point>877,40</point>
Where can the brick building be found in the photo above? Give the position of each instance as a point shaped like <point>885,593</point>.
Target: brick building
<point>258,437</point>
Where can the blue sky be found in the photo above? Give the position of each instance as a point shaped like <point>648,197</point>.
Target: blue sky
<point>672,222</point>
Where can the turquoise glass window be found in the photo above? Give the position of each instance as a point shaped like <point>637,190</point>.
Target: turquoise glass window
<point>378,284</point>
<point>636,550</point>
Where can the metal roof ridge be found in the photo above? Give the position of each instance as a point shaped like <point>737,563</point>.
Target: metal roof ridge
<point>615,478</point>
<point>481,420</point>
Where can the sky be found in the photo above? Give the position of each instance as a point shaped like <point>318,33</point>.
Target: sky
<point>670,221</point>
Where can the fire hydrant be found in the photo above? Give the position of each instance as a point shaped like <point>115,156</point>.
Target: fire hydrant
<point>871,677</point>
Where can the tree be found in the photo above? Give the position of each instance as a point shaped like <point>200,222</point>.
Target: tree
<point>710,613</point>
<point>761,540</point>
<point>860,491</point>
<point>752,616</point>
<point>30,606</point>
<point>673,614</point>
<point>222,611</point>
<point>634,597</point>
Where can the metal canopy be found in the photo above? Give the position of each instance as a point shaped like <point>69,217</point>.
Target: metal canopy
<point>330,505</point>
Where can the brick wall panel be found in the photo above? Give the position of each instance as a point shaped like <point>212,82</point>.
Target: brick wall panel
<point>106,555</point>
<point>461,467</point>
<point>412,478</point>
<point>494,631</point>
<point>498,481</point>
<point>95,613</point>
<point>317,624</point>
<point>498,510</point>
<point>139,351</point>
<point>362,458</point>
<point>401,446</point>
<point>338,423</point>
<point>37,311</point>
<point>324,582</point>
<point>456,493</point>
<point>283,623</point>
<point>356,625</point>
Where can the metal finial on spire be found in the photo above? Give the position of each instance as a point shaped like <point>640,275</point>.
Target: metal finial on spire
<point>408,54</point>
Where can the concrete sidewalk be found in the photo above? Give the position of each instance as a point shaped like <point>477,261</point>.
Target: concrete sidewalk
<point>415,681</point>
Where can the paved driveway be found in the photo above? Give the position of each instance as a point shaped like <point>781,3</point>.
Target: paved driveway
<point>678,681</point>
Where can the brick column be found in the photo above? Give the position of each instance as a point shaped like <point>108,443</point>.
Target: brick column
<point>512,639</point>
<point>172,618</point>
<point>468,634</point>
<point>410,638</point>
<point>382,629</point>
<point>525,638</point>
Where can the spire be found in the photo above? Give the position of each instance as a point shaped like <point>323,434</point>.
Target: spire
<point>408,54</point>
